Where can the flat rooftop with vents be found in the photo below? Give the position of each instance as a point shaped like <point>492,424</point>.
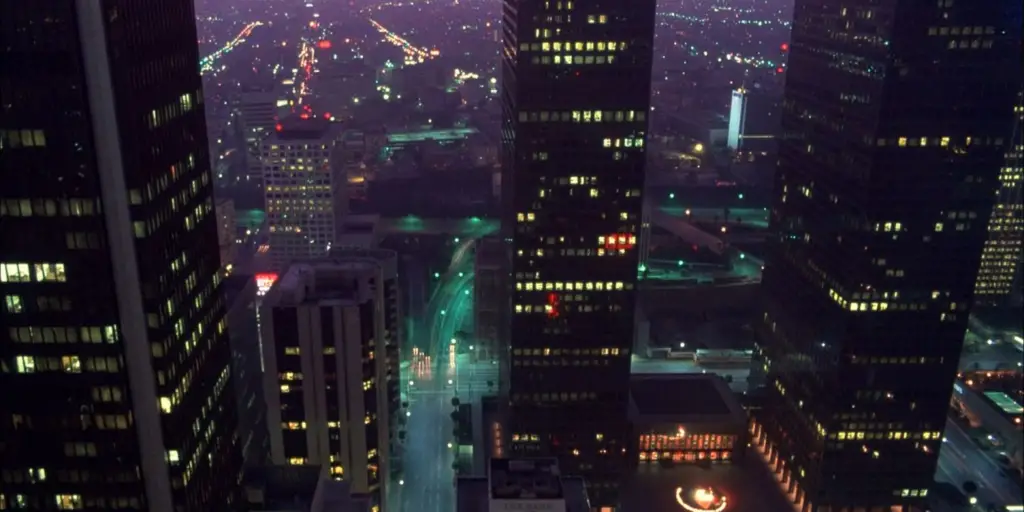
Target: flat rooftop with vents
<point>522,484</point>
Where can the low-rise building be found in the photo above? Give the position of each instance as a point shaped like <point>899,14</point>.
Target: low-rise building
<point>522,484</point>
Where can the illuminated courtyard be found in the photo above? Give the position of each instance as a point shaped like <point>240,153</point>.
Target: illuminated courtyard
<point>740,487</point>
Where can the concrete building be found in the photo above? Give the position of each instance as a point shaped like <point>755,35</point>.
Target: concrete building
<point>330,356</point>
<point>247,367</point>
<point>689,418</point>
<point>490,297</point>
<point>301,185</point>
<point>522,484</point>
<point>226,230</point>
<point>257,117</point>
<point>301,489</point>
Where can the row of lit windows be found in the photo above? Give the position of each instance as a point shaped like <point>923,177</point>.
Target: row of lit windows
<point>892,436</point>
<point>108,334</point>
<point>628,142</point>
<point>613,351</point>
<point>573,59</point>
<point>11,139</point>
<point>553,397</point>
<point>579,46</point>
<point>584,116</point>
<point>575,252</point>
<point>70,502</point>
<point>687,456</point>
<point>957,31</point>
<point>32,364</point>
<point>21,272</point>
<point>48,207</point>
<point>570,286</point>
<point>170,112</point>
<point>939,141</point>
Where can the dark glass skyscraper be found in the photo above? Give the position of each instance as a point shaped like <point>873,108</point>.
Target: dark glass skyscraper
<point>114,359</point>
<point>576,93</point>
<point>896,119</point>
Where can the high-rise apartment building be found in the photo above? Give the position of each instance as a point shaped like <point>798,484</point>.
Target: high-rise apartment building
<point>113,349</point>
<point>576,93</point>
<point>999,273</point>
<point>896,118</point>
<point>330,334</point>
<point>304,191</point>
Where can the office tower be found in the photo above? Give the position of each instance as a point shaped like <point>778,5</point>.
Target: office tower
<point>257,117</point>
<point>999,273</point>
<point>331,367</point>
<point>300,186</point>
<point>737,118</point>
<point>113,353</point>
<point>242,301</point>
<point>576,91</point>
<point>226,230</point>
<point>895,121</point>
<point>490,297</point>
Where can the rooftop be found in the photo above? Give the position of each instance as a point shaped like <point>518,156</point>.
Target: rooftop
<point>525,479</point>
<point>283,487</point>
<point>674,397</point>
<point>425,135</point>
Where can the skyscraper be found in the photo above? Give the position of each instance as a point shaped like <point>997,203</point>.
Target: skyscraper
<point>113,351</point>
<point>576,92</point>
<point>1001,259</point>
<point>304,189</point>
<point>330,345</point>
<point>895,121</point>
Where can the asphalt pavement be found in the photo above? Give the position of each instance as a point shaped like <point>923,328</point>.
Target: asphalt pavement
<point>428,480</point>
<point>961,460</point>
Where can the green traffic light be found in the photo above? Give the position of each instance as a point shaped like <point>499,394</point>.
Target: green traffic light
<point>437,275</point>
<point>672,195</point>
<point>680,263</point>
<point>740,196</point>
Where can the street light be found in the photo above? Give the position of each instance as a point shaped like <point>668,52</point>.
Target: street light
<point>449,382</point>
<point>449,445</point>
<point>443,312</point>
<point>454,341</point>
<point>408,413</point>
<point>401,482</point>
<point>437,275</point>
<point>462,274</point>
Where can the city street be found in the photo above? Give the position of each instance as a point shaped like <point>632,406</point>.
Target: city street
<point>961,460</point>
<point>434,374</point>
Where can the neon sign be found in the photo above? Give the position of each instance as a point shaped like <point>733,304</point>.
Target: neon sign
<point>701,499</point>
<point>264,282</point>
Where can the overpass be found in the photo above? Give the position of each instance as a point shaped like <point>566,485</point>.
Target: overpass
<point>471,227</point>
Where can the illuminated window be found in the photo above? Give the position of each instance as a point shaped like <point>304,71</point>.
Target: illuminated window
<point>173,456</point>
<point>69,502</point>
<point>292,351</point>
<point>15,273</point>
<point>71,364</point>
<point>12,304</point>
<point>165,404</point>
<point>50,272</point>
<point>25,364</point>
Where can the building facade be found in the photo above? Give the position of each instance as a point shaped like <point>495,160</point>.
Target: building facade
<point>109,265</point>
<point>884,189</point>
<point>328,379</point>
<point>999,276</point>
<point>576,83</point>
<point>304,191</point>
<point>257,117</point>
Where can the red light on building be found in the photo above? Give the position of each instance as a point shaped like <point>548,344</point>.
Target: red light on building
<point>779,70</point>
<point>313,24</point>
<point>552,305</point>
<point>324,45</point>
<point>327,115</point>
<point>616,241</point>
<point>784,47</point>
<point>303,116</point>
<point>278,127</point>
